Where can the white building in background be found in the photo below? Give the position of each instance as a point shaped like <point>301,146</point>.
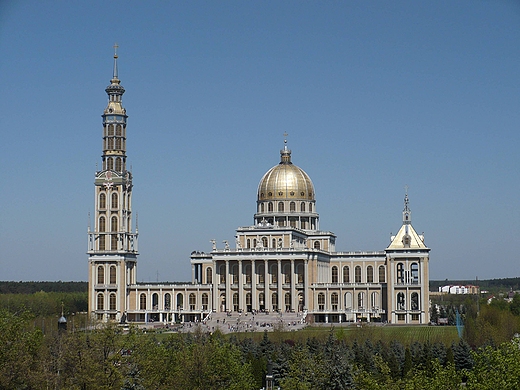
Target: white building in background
<point>283,262</point>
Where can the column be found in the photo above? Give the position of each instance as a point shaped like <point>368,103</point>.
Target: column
<point>229,301</point>
<point>294,295</point>
<point>193,273</point>
<point>306,283</point>
<point>254,298</point>
<point>240,287</point>
<point>215,277</point>
<point>266,285</point>
<point>281,301</point>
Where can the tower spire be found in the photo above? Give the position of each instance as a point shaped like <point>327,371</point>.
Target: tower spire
<point>115,61</point>
<point>407,213</point>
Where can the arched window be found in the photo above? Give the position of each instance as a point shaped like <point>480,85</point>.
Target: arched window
<point>374,300</point>
<point>270,206</point>
<point>110,129</point>
<point>155,301</point>
<point>370,274</point>
<point>265,243</point>
<point>346,274</point>
<point>280,207</point>
<point>316,245</point>
<point>274,301</point>
<point>209,275</point>
<point>382,274</point>
<point>248,243</point>
<point>110,143</point>
<point>361,300</point>
<point>180,301</point>
<point>321,301</point>
<point>400,273</point>
<point>102,201</point>
<point>262,207</point>
<point>302,207</point>
<point>292,207</point>
<point>112,303</point>
<point>334,301</point>
<point>334,274</point>
<point>167,301</point>
<point>118,164</point>
<point>348,301</point>
<point>357,274</point>
<point>100,301</point>
<point>113,224</point>
<point>101,274</point>
<point>114,200</point>
<point>204,301</point>
<point>235,302</point>
<point>118,130</point>
<point>273,242</point>
<point>118,144</point>
<point>142,301</point>
<point>401,304</point>
<point>193,301</point>
<point>310,207</point>
<point>415,273</point>
<point>287,301</point>
<point>113,274</point>
<point>110,163</point>
<point>102,224</point>
<point>414,301</point>
<point>254,242</point>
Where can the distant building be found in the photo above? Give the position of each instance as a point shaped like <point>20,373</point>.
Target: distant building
<point>283,262</point>
<point>468,289</point>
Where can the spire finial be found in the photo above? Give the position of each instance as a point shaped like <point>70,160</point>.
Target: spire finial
<point>285,153</point>
<point>115,60</point>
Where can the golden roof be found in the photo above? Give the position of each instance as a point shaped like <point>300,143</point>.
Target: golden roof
<point>286,181</point>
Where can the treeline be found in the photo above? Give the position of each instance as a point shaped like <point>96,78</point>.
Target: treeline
<point>33,287</point>
<point>107,359</point>
<point>45,304</point>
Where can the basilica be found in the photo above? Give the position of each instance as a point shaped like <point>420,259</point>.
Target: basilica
<point>284,262</point>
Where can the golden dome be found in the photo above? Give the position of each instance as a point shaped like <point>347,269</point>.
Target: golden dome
<point>285,181</point>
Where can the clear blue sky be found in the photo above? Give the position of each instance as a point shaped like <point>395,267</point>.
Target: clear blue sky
<point>374,95</point>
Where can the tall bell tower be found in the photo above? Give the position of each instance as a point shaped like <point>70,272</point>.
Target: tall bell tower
<point>112,245</point>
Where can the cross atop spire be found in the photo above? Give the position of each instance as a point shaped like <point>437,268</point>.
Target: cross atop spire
<point>285,152</point>
<point>407,213</point>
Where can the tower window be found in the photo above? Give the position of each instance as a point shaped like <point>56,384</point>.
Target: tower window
<point>114,200</point>
<point>110,163</point>
<point>112,301</point>
<point>118,130</point>
<point>112,274</point>
<point>118,143</point>
<point>118,164</point>
<point>316,245</point>
<point>102,224</point>
<point>100,275</point>
<point>110,129</point>
<point>100,302</point>
<point>102,201</point>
